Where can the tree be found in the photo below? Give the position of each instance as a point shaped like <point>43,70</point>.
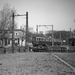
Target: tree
<point>30,34</point>
<point>6,17</point>
<point>6,20</point>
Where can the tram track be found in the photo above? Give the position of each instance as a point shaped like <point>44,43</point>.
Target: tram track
<point>66,63</point>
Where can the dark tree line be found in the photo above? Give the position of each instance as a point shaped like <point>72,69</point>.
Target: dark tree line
<point>60,34</point>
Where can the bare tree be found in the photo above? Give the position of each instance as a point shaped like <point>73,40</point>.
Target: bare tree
<point>6,17</point>
<point>6,20</point>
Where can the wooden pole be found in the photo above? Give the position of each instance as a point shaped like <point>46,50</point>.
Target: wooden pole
<point>70,33</point>
<point>26,42</point>
<point>13,32</point>
<point>52,37</point>
<point>37,29</point>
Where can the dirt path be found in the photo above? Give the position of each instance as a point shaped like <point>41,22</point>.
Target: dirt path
<point>32,64</point>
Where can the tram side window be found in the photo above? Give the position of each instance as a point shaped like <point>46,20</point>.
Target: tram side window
<point>40,39</point>
<point>43,39</point>
<point>37,39</point>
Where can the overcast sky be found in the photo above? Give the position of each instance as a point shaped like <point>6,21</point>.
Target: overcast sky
<point>60,13</point>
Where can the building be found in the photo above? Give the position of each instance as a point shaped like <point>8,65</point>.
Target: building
<point>63,35</point>
<point>6,40</point>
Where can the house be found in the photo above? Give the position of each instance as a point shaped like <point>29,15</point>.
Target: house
<point>6,40</point>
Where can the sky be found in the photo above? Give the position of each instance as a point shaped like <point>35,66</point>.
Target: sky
<point>59,13</point>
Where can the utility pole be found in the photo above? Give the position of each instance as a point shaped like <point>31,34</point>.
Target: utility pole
<point>70,33</point>
<point>60,37</point>
<point>26,42</point>
<point>26,28</point>
<point>13,32</point>
<point>52,36</point>
<point>37,29</point>
<point>13,40</point>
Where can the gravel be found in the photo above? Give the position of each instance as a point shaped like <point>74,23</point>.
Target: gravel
<point>31,63</point>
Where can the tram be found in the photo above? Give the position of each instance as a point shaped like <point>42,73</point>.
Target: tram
<point>44,40</point>
<point>36,41</point>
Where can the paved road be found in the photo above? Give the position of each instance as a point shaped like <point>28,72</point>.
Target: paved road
<point>32,64</point>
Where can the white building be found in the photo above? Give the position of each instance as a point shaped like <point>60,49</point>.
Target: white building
<point>19,37</point>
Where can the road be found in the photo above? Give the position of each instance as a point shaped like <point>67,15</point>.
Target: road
<point>31,63</point>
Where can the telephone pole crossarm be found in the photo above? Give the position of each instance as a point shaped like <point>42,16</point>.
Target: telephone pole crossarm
<point>20,15</point>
